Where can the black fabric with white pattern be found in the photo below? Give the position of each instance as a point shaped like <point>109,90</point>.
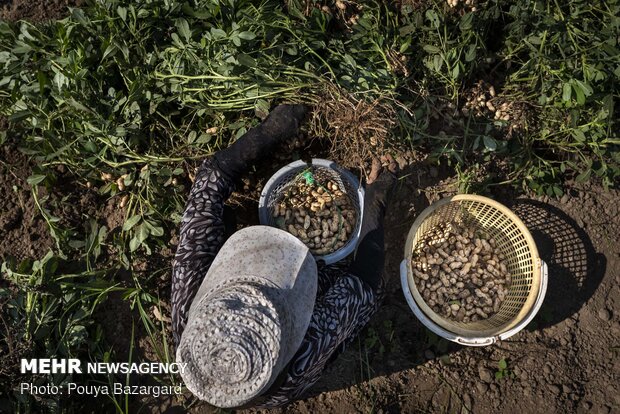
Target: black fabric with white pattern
<point>343,307</point>
<point>201,237</point>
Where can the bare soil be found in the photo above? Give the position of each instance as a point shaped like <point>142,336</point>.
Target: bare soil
<point>24,232</point>
<point>36,10</point>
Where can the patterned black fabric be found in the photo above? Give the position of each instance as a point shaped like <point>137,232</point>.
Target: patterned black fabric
<point>201,237</point>
<point>337,318</point>
<point>344,302</point>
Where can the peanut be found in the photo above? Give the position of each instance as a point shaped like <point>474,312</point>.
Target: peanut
<point>460,272</point>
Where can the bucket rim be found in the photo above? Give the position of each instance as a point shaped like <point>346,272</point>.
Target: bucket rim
<point>345,174</point>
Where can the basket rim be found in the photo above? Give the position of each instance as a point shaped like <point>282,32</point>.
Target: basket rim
<point>536,272</point>
<point>351,245</point>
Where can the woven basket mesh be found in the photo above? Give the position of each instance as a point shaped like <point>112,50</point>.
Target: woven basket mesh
<point>512,240</point>
<point>322,175</point>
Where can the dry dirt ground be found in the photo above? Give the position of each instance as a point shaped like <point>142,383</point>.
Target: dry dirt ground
<point>566,361</point>
<point>35,10</point>
<point>24,233</point>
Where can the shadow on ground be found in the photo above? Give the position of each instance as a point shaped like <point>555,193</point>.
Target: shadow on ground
<point>575,269</point>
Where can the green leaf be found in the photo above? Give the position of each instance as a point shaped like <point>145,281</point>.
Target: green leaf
<point>103,231</point>
<point>499,375</point>
<point>36,179</point>
<point>42,78</point>
<point>109,51</point>
<point>154,230</point>
<point>77,244</point>
<point>566,92</point>
<point>406,30</point>
<point>584,176</point>
<point>466,22</point>
<point>132,221</point>
<point>134,243</point>
<point>456,71</point>
<point>578,135</point>
<point>246,60</point>
<point>405,46</point>
<point>437,62</point>
<point>204,138</point>
<point>489,142</point>
<point>431,49</point>
<point>240,132</point>
<point>217,33</point>
<point>142,232</point>
<point>183,28</point>
<point>350,61</point>
<point>176,40</point>
<point>122,12</point>
<point>157,231</point>
<point>261,108</point>
<point>535,40</point>
<point>502,364</point>
<point>247,35</point>
<point>470,55</point>
<point>581,97</point>
<point>191,137</point>
<point>78,14</point>
<point>585,88</point>
<point>434,18</point>
<point>19,115</point>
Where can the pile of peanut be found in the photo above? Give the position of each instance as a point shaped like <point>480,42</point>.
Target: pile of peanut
<point>460,273</point>
<point>466,4</point>
<point>320,215</point>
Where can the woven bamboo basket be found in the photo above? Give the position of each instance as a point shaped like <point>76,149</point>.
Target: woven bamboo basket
<point>514,241</point>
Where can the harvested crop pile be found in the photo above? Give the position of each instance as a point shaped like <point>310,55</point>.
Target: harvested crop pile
<point>322,216</point>
<point>460,273</point>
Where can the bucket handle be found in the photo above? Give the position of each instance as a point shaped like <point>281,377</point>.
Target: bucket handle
<point>476,341</point>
